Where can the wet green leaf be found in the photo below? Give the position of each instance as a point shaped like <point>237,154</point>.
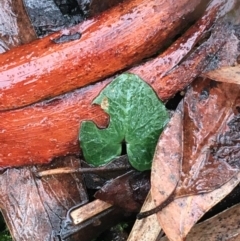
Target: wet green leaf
<point>137,117</point>
<point>5,236</point>
<point>4,233</point>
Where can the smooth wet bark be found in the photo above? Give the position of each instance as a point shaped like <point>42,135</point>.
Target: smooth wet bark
<point>56,122</point>
<point>93,50</point>
<point>34,208</point>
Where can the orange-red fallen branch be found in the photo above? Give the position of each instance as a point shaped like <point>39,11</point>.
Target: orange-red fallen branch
<point>37,133</point>
<point>114,40</point>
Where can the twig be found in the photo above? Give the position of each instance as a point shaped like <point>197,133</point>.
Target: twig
<point>89,210</point>
<point>69,170</point>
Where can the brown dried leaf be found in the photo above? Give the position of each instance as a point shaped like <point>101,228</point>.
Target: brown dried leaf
<point>228,74</point>
<point>209,143</point>
<point>224,227</point>
<point>179,217</point>
<point>208,110</point>
<point>127,191</point>
<point>167,159</point>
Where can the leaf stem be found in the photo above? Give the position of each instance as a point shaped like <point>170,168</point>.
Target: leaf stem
<point>160,207</point>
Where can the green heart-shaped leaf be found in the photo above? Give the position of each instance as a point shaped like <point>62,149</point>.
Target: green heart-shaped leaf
<point>137,117</point>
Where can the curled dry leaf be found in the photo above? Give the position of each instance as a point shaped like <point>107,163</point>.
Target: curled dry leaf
<point>228,74</point>
<point>199,157</point>
<point>127,191</point>
<point>209,122</point>
<point>224,227</point>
